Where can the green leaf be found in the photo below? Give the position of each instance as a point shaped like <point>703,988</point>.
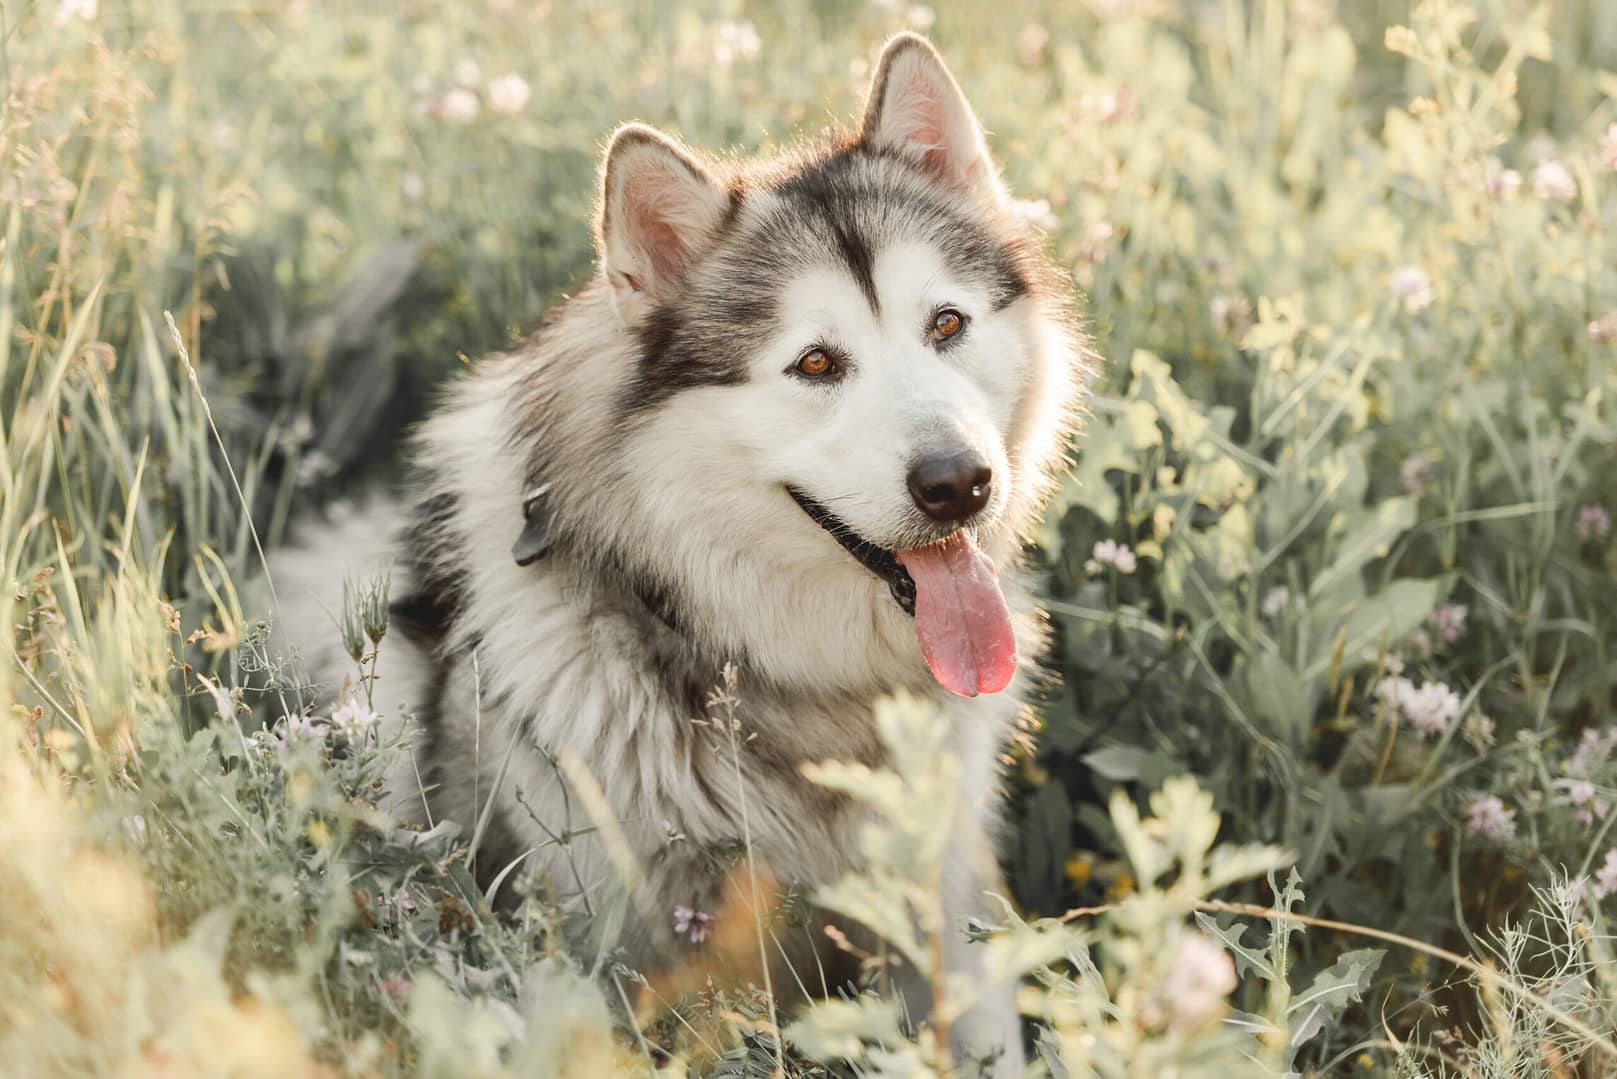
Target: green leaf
<point>1333,990</point>
<point>1247,959</point>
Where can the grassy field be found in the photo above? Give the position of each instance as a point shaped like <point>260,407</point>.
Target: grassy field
<point>1328,784</point>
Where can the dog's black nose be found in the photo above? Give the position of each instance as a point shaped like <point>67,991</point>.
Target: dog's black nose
<point>950,487</point>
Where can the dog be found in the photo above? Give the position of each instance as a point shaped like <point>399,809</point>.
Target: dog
<point>797,426</point>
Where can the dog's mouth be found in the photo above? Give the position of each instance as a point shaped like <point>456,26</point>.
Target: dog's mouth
<point>951,589</point>
<point>878,560</point>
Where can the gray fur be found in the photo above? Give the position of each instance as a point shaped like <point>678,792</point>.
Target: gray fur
<point>672,549</point>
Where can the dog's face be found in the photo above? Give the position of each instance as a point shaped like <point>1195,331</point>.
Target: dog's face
<point>852,361</point>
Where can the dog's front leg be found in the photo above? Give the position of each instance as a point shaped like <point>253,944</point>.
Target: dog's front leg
<point>990,1031</point>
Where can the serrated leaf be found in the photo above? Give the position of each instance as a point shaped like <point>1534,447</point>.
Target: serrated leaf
<point>1247,959</point>
<point>1333,990</point>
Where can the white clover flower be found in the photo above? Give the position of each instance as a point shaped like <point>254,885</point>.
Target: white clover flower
<point>1201,977</point>
<point>68,10</point>
<point>1489,818</point>
<point>1450,621</point>
<point>1034,212</point>
<point>1603,330</point>
<point>920,16</point>
<point>459,106</point>
<point>354,718</point>
<point>1553,182</point>
<point>1114,554</point>
<point>1432,708</point>
<point>742,37</point>
<point>1415,473</point>
<point>1593,523</point>
<point>508,94</point>
<point>1275,601</point>
<point>1606,876</point>
<point>1412,287</point>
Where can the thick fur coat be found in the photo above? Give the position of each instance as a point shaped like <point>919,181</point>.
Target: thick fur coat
<point>707,457</point>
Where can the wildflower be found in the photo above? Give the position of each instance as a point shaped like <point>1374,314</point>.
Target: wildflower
<point>696,924</point>
<point>1415,473</point>
<point>1034,212</point>
<point>737,41</point>
<point>1593,745</point>
<point>1412,287</point>
<point>68,10</point>
<point>1478,731</point>
<point>1032,41</point>
<point>508,94</point>
<point>1450,621</point>
<point>1552,182</point>
<point>1201,977</point>
<point>1587,808</point>
<point>1608,148</point>
<point>1489,818</point>
<point>354,718</point>
<point>1095,243</point>
<point>1593,523</point>
<point>459,106</point>
<point>1276,600</point>
<point>1114,554</point>
<point>1502,182</point>
<point>1603,331</point>
<point>1606,876</point>
<point>921,17</point>
<point>295,729</point>
<point>1431,708</point>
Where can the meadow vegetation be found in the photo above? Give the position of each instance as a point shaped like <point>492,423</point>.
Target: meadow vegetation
<point>1326,783</point>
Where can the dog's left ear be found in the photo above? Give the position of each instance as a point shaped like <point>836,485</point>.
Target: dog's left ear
<point>916,109</point>
<point>660,208</point>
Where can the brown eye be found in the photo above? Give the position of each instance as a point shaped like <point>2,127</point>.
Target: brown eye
<point>815,363</point>
<point>946,324</point>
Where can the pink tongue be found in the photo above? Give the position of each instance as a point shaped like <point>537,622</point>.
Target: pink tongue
<point>960,616</point>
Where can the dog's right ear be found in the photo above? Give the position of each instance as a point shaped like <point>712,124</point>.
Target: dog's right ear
<point>660,208</point>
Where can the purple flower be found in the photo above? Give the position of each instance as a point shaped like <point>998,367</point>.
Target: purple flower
<point>1450,621</point>
<point>1489,818</point>
<point>696,924</point>
<point>1114,554</point>
<point>1606,876</point>
<point>1593,523</point>
<point>295,729</point>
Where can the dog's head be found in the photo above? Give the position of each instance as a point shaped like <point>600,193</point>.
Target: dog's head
<point>853,371</point>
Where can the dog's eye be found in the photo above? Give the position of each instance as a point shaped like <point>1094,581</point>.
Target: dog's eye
<point>815,363</point>
<point>947,323</point>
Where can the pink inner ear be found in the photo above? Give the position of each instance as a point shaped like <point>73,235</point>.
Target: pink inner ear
<point>923,118</point>
<point>648,202</point>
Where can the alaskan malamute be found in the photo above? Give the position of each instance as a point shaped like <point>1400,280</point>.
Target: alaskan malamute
<point>799,421</point>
